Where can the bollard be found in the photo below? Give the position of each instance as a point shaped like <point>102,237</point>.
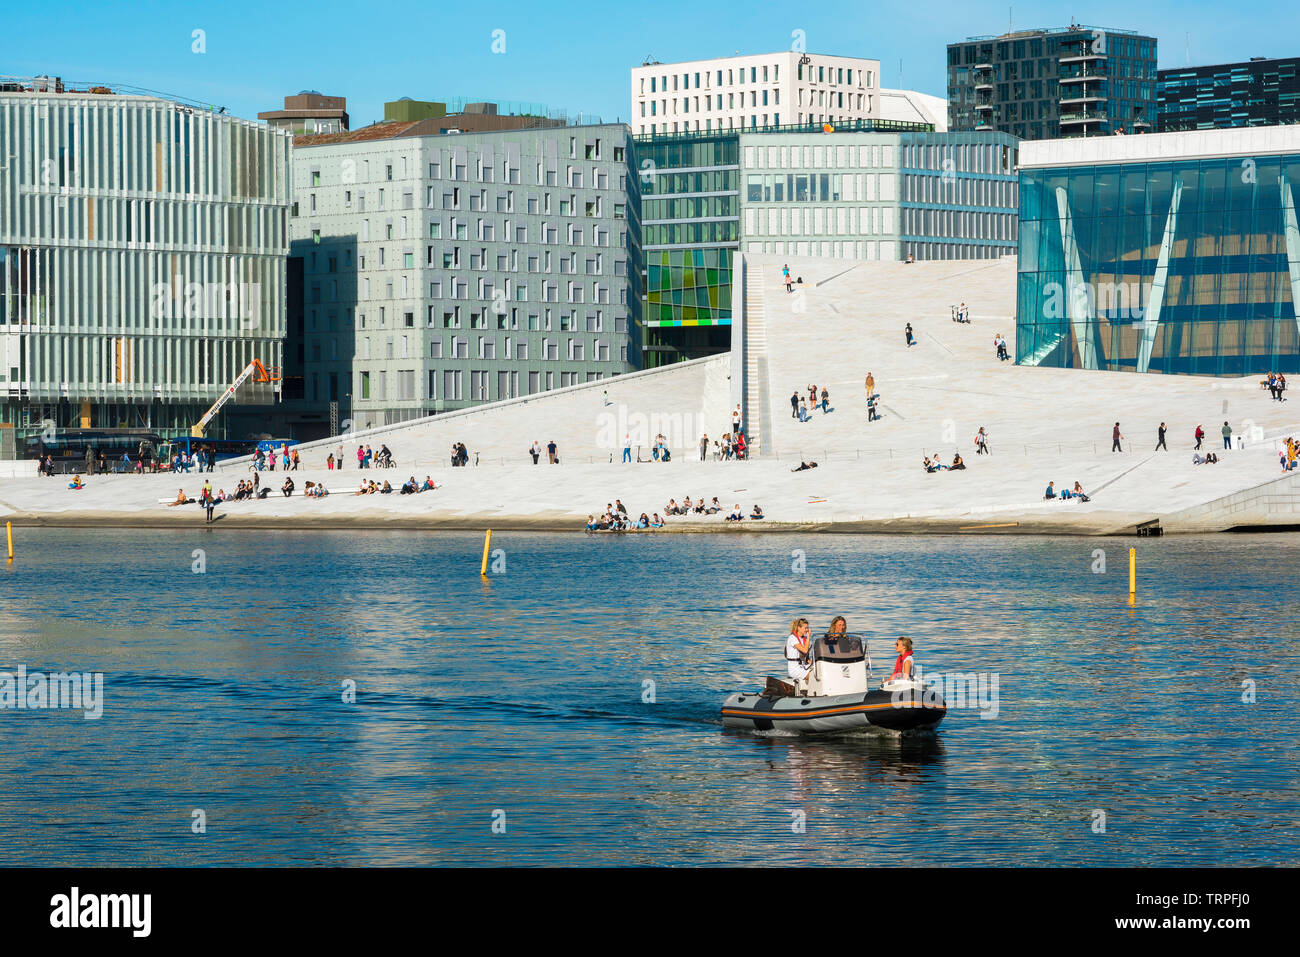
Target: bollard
<point>487,545</point>
<point>1132,575</point>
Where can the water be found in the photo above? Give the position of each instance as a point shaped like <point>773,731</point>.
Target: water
<point>520,700</point>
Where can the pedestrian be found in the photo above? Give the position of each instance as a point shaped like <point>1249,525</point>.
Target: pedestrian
<point>871,383</point>
<point>1115,437</point>
<point>704,447</point>
<point>535,452</point>
<point>605,396</point>
<point>550,453</point>
<point>338,459</point>
<point>794,405</point>
<point>627,446</point>
<point>982,442</point>
<point>296,460</point>
<point>1200,435</point>
<point>329,463</point>
<point>361,457</point>
<point>871,408</point>
<point>1227,436</point>
<point>826,399</point>
<point>1160,440</point>
<point>735,420</point>
<point>910,341</point>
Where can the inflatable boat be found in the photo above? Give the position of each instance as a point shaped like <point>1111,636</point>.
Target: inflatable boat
<point>838,698</point>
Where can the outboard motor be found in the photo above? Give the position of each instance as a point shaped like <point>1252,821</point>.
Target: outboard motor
<point>839,666</point>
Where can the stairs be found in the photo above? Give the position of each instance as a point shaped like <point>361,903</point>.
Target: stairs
<point>756,415</point>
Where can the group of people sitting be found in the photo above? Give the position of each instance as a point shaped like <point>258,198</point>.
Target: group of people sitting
<point>1075,493</point>
<point>934,465</point>
<point>687,508</point>
<point>1276,385</point>
<point>1209,458</point>
<point>372,487</point>
<point>247,490</point>
<point>800,651</point>
<point>738,516</point>
<point>412,487</point>
<point>315,490</point>
<point>616,519</point>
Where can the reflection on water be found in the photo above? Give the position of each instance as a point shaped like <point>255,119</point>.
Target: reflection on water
<point>578,695</point>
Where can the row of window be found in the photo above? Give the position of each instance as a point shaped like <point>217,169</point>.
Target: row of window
<point>478,319</point>
<point>757,74</point>
<point>756,121</point>
<point>446,384</point>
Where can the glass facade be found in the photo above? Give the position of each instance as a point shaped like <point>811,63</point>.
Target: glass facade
<point>1045,84</point>
<point>690,227</point>
<point>1256,93</point>
<point>689,287</point>
<point>1175,267</point>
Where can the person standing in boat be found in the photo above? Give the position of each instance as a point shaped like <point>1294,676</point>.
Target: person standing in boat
<point>798,651</point>
<point>903,667</point>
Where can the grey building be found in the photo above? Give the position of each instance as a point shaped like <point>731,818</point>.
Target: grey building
<point>142,257</point>
<point>1046,84</point>
<point>446,270</point>
<point>879,195</point>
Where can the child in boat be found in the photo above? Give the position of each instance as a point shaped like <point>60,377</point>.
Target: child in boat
<point>903,665</point>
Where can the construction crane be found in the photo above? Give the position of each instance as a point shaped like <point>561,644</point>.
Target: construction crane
<point>255,369</point>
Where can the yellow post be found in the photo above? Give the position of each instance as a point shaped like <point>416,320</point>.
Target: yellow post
<point>487,545</point>
<point>1132,575</point>
<point>9,530</point>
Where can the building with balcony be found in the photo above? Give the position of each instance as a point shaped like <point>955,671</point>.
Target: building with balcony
<point>749,92</point>
<point>142,257</point>
<point>446,270</point>
<point>1172,253</point>
<point>1052,83</point>
<point>1259,92</point>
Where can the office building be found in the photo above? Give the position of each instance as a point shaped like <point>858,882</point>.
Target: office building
<point>142,257</point>
<point>1172,252</point>
<point>1047,84</point>
<point>749,92</point>
<point>1259,92</point>
<point>446,270</point>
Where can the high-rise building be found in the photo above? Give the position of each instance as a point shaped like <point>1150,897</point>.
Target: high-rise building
<point>1171,253</point>
<point>309,113</point>
<point>445,270</point>
<point>142,257</point>
<point>1053,83</point>
<point>749,92</point>
<point>1259,92</point>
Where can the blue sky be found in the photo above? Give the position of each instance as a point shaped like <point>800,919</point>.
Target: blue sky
<point>568,55</point>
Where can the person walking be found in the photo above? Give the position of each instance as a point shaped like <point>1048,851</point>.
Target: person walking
<point>1200,435</point>
<point>826,400</point>
<point>361,457</point>
<point>908,331</point>
<point>329,463</point>
<point>1227,435</point>
<point>550,453</point>
<point>871,408</point>
<point>627,446</point>
<point>981,442</point>
<point>1160,440</point>
<point>735,420</point>
<point>1114,439</point>
<point>704,447</point>
<point>535,452</point>
<point>871,383</point>
<point>338,459</point>
<point>296,460</point>
<point>794,405</point>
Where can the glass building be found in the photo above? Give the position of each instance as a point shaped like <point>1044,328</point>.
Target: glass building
<point>1046,84</point>
<point>690,230</point>
<point>1259,92</point>
<point>142,257</point>
<point>1173,253</point>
